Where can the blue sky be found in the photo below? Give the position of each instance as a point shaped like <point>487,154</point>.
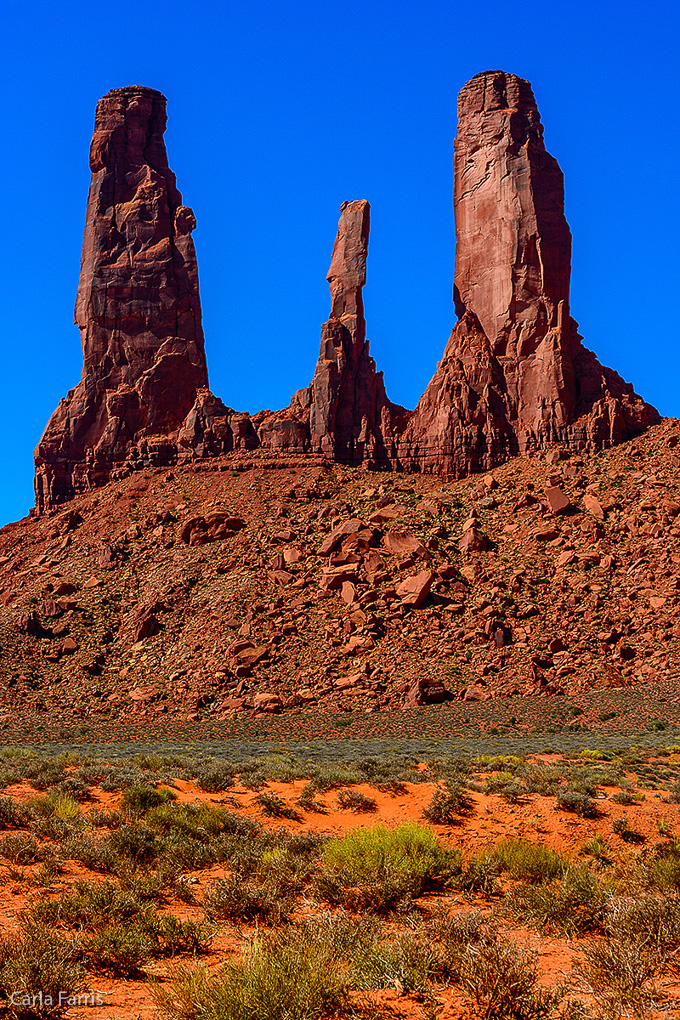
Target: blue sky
<point>277,113</point>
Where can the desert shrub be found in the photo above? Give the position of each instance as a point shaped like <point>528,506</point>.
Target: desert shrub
<point>622,829</point>
<point>405,962</point>
<point>118,949</point>
<point>22,848</point>
<point>663,869</point>
<point>448,803</point>
<point>480,875</point>
<point>233,899</point>
<point>95,854</point>
<point>619,974</point>
<point>200,822</point>
<point>410,849</point>
<point>90,905</point>
<point>462,928</point>
<point>275,807</point>
<point>513,792</point>
<point>44,773</point>
<point>648,923</point>
<point>116,778</point>
<point>389,892</point>
<point>571,906</point>
<point>581,804</point>
<point>542,780</point>
<point>288,975</point>
<point>501,978</point>
<point>308,802</point>
<point>73,787</point>
<point>12,814</point>
<point>170,936</point>
<point>624,797</point>
<point>354,800</point>
<point>140,799</point>
<point>529,862</point>
<point>331,777</point>
<point>102,818</point>
<point>135,843</point>
<point>215,777</point>
<point>188,853</point>
<point>381,870</point>
<point>597,848</point>
<point>674,796</point>
<point>38,961</point>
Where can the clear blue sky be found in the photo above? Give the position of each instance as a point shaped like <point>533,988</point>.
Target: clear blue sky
<point>277,113</point>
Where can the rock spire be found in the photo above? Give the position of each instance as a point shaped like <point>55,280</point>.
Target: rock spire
<point>137,307</point>
<point>515,376</point>
<point>346,401</point>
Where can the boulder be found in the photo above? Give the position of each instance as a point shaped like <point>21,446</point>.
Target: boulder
<point>427,692</point>
<point>414,590</point>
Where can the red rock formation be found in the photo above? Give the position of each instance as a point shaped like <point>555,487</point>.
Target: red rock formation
<point>346,412</point>
<point>137,308</point>
<point>515,376</point>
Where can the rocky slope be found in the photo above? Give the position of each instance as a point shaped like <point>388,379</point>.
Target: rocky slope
<point>232,586</point>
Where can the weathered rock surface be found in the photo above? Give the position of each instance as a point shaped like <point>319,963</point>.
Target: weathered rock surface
<point>137,307</point>
<point>515,377</point>
<point>345,412</point>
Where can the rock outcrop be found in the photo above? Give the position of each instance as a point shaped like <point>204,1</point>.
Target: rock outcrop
<point>345,413</point>
<point>515,377</point>
<point>137,307</point>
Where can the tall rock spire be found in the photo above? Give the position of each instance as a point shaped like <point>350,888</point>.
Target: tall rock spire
<point>346,406</point>
<point>137,307</point>
<point>515,376</point>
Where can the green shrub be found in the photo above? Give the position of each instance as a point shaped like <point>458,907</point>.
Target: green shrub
<point>571,906</point>
<point>233,899</point>
<point>287,976</point>
<point>408,849</point>
<point>140,799</point>
<point>119,950</point>
<point>529,862</point>
<point>597,848</point>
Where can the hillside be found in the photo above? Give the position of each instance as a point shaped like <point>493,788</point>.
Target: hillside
<point>243,586</point>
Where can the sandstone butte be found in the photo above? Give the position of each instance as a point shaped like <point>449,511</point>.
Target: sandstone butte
<point>514,379</point>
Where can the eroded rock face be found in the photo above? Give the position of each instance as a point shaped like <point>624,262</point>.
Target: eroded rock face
<point>345,409</point>
<point>137,307</point>
<point>515,376</point>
